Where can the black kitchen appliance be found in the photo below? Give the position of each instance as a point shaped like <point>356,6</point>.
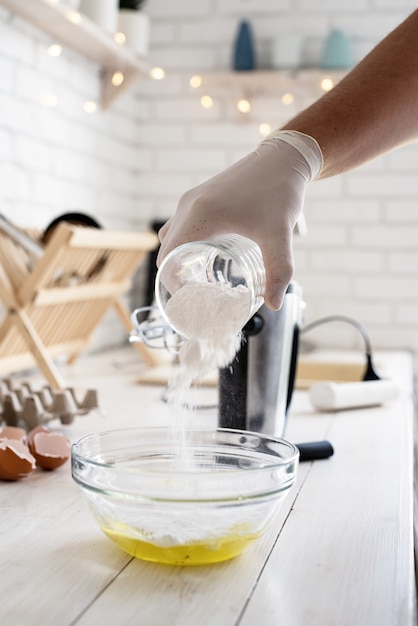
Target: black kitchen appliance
<point>256,389</point>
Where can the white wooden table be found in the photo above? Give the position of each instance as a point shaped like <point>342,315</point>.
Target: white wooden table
<point>340,552</point>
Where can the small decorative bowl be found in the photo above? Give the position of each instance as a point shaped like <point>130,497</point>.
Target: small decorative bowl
<point>184,498</point>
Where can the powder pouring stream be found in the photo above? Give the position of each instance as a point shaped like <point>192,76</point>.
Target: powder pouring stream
<point>206,291</point>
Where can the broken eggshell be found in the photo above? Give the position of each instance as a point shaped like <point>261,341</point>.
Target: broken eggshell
<point>16,461</point>
<point>51,450</point>
<point>13,432</point>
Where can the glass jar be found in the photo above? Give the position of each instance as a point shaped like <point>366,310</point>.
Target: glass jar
<point>229,261</point>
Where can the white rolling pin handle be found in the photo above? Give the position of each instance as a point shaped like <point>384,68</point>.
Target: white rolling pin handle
<point>330,396</point>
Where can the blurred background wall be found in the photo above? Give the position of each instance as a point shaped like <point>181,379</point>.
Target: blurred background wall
<point>128,165</point>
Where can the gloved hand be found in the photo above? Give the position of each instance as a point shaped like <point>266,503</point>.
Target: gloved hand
<point>260,197</point>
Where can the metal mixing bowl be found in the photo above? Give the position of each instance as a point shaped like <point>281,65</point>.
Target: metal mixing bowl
<point>185,498</point>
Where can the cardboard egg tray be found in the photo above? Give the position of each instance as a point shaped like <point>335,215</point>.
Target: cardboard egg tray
<point>21,403</point>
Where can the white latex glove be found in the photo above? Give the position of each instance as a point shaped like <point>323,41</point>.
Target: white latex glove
<point>260,197</point>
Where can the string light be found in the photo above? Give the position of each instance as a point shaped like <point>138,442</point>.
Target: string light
<point>73,17</point>
<point>287,98</point>
<point>120,38</point>
<point>90,106</point>
<point>327,84</point>
<point>195,81</point>
<point>244,106</point>
<point>264,129</point>
<point>117,79</point>
<point>206,102</point>
<point>157,73</point>
<point>55,50</point>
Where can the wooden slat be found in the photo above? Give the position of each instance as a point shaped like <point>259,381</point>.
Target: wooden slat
<point>86,293</point>
<point>43,359</point>
<point>46,266</point>
<point>16,362</point>
<point>111,240</point>
<point>11,265</point>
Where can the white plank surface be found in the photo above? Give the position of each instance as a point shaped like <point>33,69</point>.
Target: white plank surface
<point>339,552</point>
<point>362,564</point>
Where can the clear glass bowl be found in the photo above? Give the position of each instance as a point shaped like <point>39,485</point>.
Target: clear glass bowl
<point>184,498</point>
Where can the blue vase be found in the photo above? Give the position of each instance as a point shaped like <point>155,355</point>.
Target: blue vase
<point>244,58</point>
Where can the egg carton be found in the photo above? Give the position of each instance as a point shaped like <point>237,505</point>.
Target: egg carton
<point>22,403</point>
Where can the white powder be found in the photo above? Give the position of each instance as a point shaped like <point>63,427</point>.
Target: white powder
<point>211,316</point>
<point>189,525</point>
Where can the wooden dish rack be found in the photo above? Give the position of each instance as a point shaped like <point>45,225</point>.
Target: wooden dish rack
<point>54,304</point>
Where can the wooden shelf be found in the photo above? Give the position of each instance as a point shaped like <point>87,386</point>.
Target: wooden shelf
<point>78,32</point>
<point>270,80</point>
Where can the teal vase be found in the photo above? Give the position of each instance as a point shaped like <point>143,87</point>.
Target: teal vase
<point>337,51</point>
<point>244,57</point>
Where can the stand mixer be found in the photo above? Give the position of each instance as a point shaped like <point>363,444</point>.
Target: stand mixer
<point>256,389</point>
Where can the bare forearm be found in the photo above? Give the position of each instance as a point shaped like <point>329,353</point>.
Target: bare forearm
<point>373,109</point>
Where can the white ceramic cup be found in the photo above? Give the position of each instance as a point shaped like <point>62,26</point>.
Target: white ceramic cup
<point>103,12</point>
<point>135,25</point>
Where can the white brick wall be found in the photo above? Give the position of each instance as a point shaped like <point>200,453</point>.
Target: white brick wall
<point>55,159</point>
<point>360,257</point>
<point>129,165</point>
<point>58,159</point>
